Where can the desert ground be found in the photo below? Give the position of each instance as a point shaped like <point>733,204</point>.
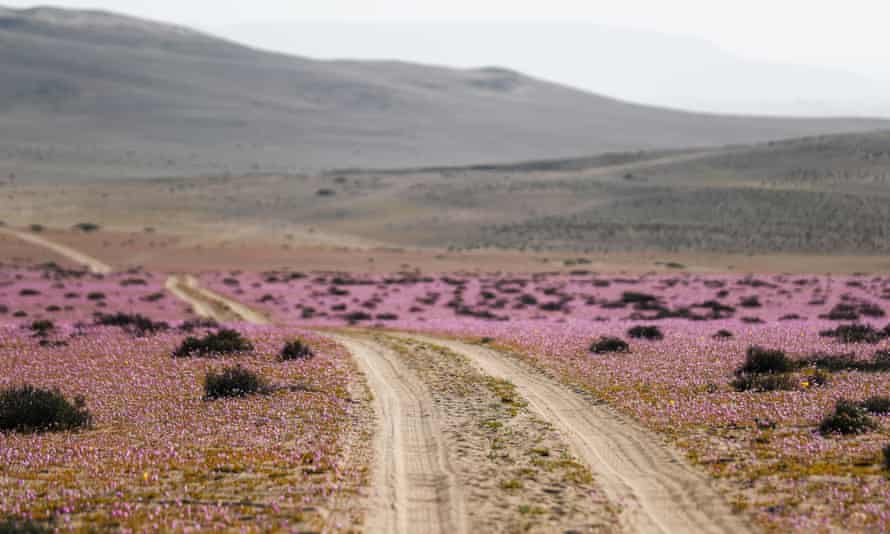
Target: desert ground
<point>247,292</point>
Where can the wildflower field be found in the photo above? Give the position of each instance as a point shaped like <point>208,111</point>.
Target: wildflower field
<point>691,365</point>
<point>158,452</point>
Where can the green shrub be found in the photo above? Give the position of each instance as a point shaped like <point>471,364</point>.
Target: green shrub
<point>214,344</point>
<point>886,452</point>
<point>29,409</point>
<point>296,350</point>
<point>609,344</point>
<point>848,418</point>
<point>761,360</point>
<point>723,334</point>
<point>233,382</point>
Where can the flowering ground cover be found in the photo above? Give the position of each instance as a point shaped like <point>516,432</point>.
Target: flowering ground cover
<point>159,457</point>
<point>52,293</point>
<point>763,443</point>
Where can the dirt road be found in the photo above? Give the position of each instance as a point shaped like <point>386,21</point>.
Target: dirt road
<point>209,304</point>
<point>93,264</point>
<point>414,487</point>
<point>658,490</point>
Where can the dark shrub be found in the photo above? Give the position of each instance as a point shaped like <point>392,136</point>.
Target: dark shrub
<point>790,317</point>
<point>881,360</point>
<point>761,360</point>
<point>96,295</point>
<point>28,292</point>
<point>752,320</point>
<point>723,334</point>
<point>325,193</point>
<point>634,297</point>
<point>750,302</point>
<point>854,333</point>
<point>86,227</point>
<point>886,452</point>
<point>214,344</point>
<point>233,382</point>
<point>528,300</point>
<point>135,324</point>
<point>847,418</point>
<point>387,317</point>
<point>652,333</point>
<point>836,362</point>
<point>296,350</point>
<point>23,526</point>
<point>29,409</point>
<point>42,328</point>
<point>766,382</point>
<point>36,228</point>
<point>609,344</point>
<point>194,324</point>
<point>877,405</point>
<point>133,282</point>
<point>357,316</point>
<point>153,297</point>
<point>842,312</point>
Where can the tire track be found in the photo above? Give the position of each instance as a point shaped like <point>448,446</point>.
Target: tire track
<point>415,489</point>
<point>209,304</point>
<point>94,265</point>
<point>659,491</point>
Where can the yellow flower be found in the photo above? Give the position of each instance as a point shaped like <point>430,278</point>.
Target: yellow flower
<point>805,384</point>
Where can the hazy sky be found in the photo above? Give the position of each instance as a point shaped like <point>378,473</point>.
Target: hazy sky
<point>810,31</point>
<point>808,57</point>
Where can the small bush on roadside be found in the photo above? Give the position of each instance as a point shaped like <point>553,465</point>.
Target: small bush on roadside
<point>877,404</point>
<point>296,350</point>
<point>214,344</point>
<point>233,382</point>
<point>652,333</point>
<point>606,345</point>
<point>30,409</point>
<point>761,360</point>
<point>848,418</point>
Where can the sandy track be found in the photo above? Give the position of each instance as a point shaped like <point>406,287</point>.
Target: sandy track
<point>658,490</point>
<point>206,303</point>
<point>415,489</point>
<point>93,264</point>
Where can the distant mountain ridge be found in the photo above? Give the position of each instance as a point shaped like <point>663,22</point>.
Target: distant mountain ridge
<point>88,94</point>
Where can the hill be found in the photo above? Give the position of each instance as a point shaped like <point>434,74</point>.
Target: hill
<point>96,95</point>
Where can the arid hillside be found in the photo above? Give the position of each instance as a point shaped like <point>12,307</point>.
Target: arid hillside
<point>88,95</point>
